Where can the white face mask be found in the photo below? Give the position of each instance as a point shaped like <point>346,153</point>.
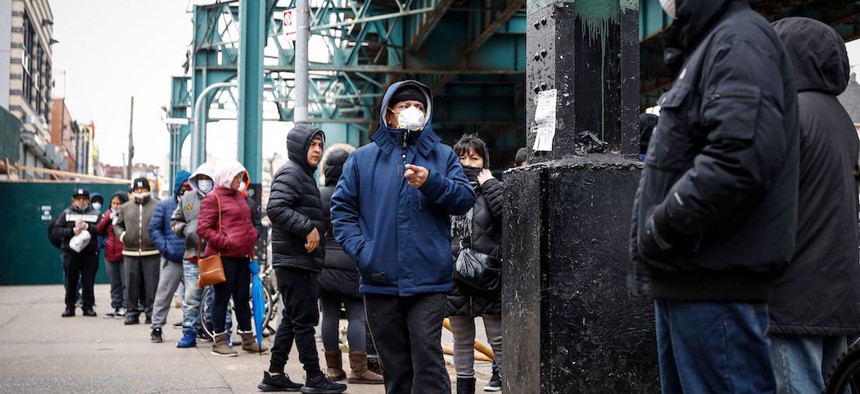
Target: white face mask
<point>410,119</point>
<point>141,196</point>
<point>97,206</point>
<point>205,186</point>
<point>669,7</point>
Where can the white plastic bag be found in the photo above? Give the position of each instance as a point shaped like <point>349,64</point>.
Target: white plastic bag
<point>80,241</point>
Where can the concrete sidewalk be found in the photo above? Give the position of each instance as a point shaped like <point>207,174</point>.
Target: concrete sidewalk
<point>43,353</point>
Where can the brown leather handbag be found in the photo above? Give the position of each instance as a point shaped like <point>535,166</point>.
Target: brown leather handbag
<point>211,267</point>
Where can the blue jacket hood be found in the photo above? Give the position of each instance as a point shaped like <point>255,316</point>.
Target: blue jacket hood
<point>387,137</point>
<point>181,177</point>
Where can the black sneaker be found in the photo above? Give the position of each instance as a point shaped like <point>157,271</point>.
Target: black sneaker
<point>203,336</point>
<point>149,320</point>
<point>279,382</point>
<point>321,384</point>
<point>69,312</point>
<point>131,320</point>
<point>90,312</point>
<point>155,337</point>
<point>495,383</point>
<point>110,315</point>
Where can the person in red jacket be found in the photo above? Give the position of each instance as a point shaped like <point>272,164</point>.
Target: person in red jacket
<point>113,255</point>
<point>225,224</point>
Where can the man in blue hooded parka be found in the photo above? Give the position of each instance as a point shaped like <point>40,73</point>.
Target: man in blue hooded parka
<point>390,211</point>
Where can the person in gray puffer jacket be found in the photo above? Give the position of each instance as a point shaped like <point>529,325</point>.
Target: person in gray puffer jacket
<point>140,256</point>
<point>184,225</point>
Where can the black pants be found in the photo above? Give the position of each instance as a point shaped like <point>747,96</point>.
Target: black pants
<point>83,266</point>
<point>299,289</point>
<point>238,285</point>
<point>407,332</point>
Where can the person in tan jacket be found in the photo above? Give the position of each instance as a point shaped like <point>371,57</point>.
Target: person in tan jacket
<point>140,256</point>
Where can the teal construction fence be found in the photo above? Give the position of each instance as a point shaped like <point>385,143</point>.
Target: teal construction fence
<point>26,255</point>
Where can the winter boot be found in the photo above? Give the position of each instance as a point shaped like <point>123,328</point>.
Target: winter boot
<point>334,365</point>
<point>359,373</point>
<point>249,343</point>
<point>465,385</point>
<point>321,384</point>
<point>221,348</point>
<point>189,339</point>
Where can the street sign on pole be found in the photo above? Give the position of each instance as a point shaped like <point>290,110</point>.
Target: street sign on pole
<point>290,24</point>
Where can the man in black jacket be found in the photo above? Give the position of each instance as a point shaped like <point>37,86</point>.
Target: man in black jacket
<point>84,263</point>
<point>296,213</point>
<point>715,214</point>
<point>814,304</point>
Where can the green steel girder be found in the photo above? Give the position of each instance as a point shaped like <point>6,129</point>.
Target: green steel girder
<point>454,46</point>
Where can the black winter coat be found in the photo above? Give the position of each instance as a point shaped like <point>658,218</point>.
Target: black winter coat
<point>486,238</point>
<point>294,206</point>
<point>715,214</point>
<point>339,276</point>
<point>819,293</point>
<point>65,228</point>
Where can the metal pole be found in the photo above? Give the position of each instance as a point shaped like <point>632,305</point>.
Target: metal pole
<point>198,128</point>
<point>130,138</point>
<point>302,37</point>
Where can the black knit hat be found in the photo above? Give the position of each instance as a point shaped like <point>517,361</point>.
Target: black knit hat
<point>140,182</point>
<point>407,93</point>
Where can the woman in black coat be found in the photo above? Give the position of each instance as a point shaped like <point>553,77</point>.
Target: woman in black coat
<point>480,229</point>
<point>339,286</point>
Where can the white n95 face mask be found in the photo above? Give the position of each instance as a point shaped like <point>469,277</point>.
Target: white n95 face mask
<point>205,186</point>
<point>669,7</point>
<point>410,119</point>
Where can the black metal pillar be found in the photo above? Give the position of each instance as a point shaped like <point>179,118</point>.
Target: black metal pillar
<point>569,326</point>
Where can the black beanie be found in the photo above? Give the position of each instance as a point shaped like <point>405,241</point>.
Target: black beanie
<point>407,93</point>
<point>140,182</point>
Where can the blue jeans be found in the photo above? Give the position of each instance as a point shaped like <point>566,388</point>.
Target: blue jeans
<point>191,303</point>
<point>713,347</point>
<point>801,363</point>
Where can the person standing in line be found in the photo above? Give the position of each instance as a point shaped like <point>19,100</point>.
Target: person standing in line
<point>224,223</point>
<point>390,212</point>
<point>171,248</point>
<point>184,225</point>
<point>814,305</point>
<point>140,256</point>
<point>298,250</point>
<point>522,157</point>
<point>113,256</point>
<point>83,263</point>
<point>715,215</point>
<point>338,283</point>
<point>481,230</point>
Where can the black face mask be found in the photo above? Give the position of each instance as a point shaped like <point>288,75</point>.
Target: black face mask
<point>472,174</point>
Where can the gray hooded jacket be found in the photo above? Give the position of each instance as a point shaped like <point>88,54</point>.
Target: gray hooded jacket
<point>184,219</point>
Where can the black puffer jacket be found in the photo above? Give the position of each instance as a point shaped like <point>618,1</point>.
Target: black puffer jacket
<point>818,294</point>
<point>339,277</point>
<point>486,238</point>
<point>715,214</point>
<point>294,205</point>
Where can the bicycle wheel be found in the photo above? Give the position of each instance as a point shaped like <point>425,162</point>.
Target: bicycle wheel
<point>205,322</point>
<point>846,373</point>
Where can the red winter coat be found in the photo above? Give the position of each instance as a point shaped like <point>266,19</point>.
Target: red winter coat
<point>237,235</point>
<point>113,247</point>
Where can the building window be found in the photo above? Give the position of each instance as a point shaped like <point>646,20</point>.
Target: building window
<point>27,59</point>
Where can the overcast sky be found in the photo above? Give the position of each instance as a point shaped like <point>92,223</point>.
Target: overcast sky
<point>111,50</point>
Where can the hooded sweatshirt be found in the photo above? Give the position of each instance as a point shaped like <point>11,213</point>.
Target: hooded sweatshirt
<point>170,246</point>
<point>808,298</point>
<point>131,226</point>
<point>184,219</point>
<point>225,220</point>
<point>400,235</point>
<point>294,205</point>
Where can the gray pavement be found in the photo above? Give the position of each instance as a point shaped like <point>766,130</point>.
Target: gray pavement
<point>43,353</point>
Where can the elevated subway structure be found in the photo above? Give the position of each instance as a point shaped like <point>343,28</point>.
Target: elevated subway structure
<point>471,53</point>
